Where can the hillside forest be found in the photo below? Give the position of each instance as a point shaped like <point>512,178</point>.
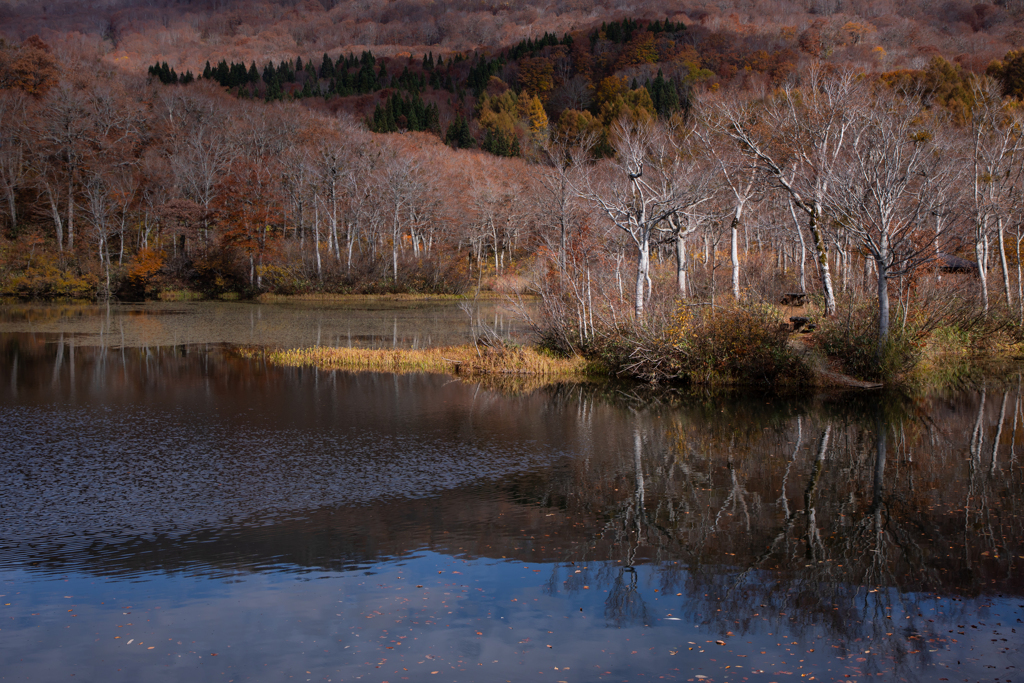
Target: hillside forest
<point>640,170</point>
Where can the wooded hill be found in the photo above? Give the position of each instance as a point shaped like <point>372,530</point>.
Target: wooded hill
<point>694,155</point>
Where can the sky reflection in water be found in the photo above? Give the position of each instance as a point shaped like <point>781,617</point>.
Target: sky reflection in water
<point>182,514</point>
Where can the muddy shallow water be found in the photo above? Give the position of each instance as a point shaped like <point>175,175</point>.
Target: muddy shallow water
<point>179,513</point>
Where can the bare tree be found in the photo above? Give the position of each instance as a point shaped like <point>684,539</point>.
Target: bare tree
<point>400,185</point>
<point>996,143</point>
<point>13,148</point>
<point>740,175</point>
<point>66,133</point>
<point>796,138</point>
<point>646,183</point>
<point>883,190</point>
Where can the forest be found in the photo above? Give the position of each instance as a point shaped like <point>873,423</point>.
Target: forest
<point>665,179</point>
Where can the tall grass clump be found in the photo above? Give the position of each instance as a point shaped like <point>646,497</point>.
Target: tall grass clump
<point>937,339</point>
<point>744,344</point>
<point>469,360</point>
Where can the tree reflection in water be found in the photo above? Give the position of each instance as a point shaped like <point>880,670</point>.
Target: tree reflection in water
<point>859,530</point>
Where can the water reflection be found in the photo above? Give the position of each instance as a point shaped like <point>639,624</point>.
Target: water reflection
<point>880,534</point>
<point>362,323</point>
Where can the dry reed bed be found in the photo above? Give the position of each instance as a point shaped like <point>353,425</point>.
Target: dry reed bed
<point>468,360</point>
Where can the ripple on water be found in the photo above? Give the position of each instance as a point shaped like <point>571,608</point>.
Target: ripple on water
<point>83,481</point>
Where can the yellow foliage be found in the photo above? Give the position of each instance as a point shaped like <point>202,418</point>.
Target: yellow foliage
<point>608,89</point>
<point>573,126</point>
<point>635,106</point>
<point>42,279</point>
<point>536,119</point>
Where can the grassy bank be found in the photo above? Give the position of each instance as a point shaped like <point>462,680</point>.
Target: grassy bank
<point>940,344</point>
<point>746,345</point>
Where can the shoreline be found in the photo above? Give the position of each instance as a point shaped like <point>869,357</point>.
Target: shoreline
<point>520,367</point>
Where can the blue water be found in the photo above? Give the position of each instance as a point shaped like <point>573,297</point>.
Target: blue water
<point>184,514</point>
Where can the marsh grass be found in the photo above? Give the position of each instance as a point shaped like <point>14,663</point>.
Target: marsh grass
<point>470,361</point>
<point>180,295</point>
<point>270,298</point>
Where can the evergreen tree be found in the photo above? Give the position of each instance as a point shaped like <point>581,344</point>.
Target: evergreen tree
<point>254,74</point>
<point>367,79</point>
<point>413,120</point>
<point>382,76</point>
<point>274,89</point>
<point>223,73</point>
<point>326,68</point>
<point>663,94</point>
<point>497,142</point>
<point>298,64</point>
<point>458,134</point>
<point>207,72</point>
<point>237,75</point>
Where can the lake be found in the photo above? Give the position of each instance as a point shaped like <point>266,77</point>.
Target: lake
<point>172,511</point>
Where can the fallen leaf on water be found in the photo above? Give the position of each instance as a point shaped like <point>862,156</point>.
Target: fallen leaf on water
<point>151,647</point>
<point>720,642</point>
<point>129,642</point>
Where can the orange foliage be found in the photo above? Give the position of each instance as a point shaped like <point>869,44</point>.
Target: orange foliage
<point>30,67</point>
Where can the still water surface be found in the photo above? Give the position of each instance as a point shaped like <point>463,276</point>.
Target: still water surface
<point>177,513</point>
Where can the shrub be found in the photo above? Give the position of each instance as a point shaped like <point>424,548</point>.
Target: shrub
<point>742,344</point>
<point>851,338</point>
<point>42,279</point>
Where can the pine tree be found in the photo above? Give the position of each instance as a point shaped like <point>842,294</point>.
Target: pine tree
<point>254,74</point>
<point>326,68</point>
<point>497,142</point>
<point>274,90</point>
<point>432,119</point>
<point>207,71</point>
<point>458,134</point>
<point>223,73</point>
<point>298,64</point>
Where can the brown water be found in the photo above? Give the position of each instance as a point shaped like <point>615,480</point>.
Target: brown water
<point>178,513</point>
